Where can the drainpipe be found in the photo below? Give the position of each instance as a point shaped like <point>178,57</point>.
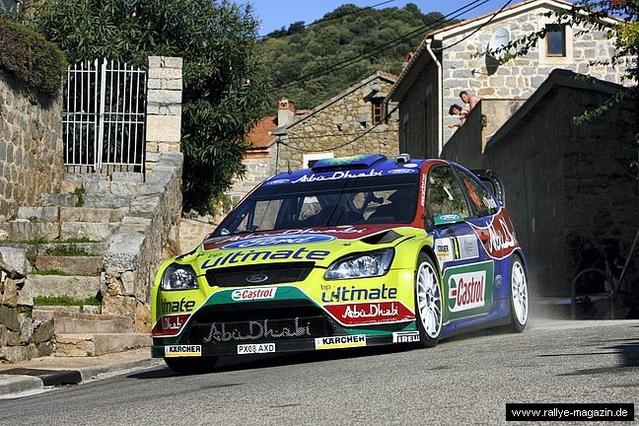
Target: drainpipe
<point>440,98</point>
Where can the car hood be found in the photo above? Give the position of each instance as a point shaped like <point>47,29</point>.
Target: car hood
<point>321,245</point>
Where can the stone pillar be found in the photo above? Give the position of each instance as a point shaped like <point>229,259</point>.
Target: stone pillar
<point>164,106</point>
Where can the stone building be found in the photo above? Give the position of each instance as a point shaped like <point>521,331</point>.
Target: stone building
<point>350,123</point>
<point>571,190</point>
<point>455,58</point>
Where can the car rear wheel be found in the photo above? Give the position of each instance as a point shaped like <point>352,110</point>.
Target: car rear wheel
<point>188,365</point>
<point>428,302</point>
<point>518,296</point>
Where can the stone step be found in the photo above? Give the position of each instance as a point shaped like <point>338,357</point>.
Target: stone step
<point>78,287</point>
<point>83,178</point>
<point>85,309</point>
<point>72,265</point>
<point>62,248</point>
<point>113,187</point>
<point>87,230</point>
<point>110,201</point>
<point>59,200</point>
<point>95,344</point>
<point>24,230</point>
<point>39,214</point>
<point>66,322</point>
<point>107,200</point>
<point>127,177</point>
<point>92,214</point>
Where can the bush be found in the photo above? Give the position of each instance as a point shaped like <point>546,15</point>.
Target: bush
<point>225,85</point>
<point>30,58</point>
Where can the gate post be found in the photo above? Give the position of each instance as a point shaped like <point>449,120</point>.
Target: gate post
<point>164,106</point>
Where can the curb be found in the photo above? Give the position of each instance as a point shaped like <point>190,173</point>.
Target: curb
<point>10,384</point>
<point>15,384</point>
<point>92,373</point>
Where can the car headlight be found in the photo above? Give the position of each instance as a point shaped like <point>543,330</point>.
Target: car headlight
<point>179,277</point>
<point>361,265</point>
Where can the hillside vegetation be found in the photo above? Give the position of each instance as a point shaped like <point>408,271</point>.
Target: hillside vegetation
<point>293,53</point>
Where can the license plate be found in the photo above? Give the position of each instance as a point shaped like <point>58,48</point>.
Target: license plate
<point>257,348</point>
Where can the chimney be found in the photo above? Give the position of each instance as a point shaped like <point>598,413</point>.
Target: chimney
<point>285,112</point>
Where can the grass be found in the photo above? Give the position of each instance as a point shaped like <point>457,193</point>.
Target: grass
<point>31,255</point>
<point>79,192</point>
<point>79,240</point>
<point>66,250</point>
<point>59,273</point>
<point>36,242</point>
<point>49,272</point>
<point>63,301</point>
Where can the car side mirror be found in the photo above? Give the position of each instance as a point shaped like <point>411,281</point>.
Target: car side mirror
<point>447,219</point>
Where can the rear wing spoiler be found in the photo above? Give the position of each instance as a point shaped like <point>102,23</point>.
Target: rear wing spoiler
<point>493,183</point>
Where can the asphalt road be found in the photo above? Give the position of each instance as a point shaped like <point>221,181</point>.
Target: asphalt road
<point>461,381</point>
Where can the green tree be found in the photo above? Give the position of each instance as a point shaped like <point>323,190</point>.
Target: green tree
<point>225,87</point>
<point>295,54</point>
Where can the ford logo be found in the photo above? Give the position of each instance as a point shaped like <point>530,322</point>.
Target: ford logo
<point>256,278</point>
<point>280,240</point>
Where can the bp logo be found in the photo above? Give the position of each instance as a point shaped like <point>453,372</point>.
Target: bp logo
<point>467,291</point>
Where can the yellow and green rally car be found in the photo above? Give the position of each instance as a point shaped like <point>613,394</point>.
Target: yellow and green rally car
<point>352,252</point>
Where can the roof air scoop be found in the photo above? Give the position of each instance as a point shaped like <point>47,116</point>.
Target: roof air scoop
<point>364,161</point>
<point>402,159</point>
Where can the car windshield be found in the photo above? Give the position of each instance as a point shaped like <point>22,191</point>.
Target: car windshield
<point>371,200</point>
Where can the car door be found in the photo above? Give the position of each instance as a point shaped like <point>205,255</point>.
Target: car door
<point>467,272</point>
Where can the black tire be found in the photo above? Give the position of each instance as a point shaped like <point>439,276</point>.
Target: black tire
<point>188,365</point>
<point>516,324</point>
<point>426,340</point>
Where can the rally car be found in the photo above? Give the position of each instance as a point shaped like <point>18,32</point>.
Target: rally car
<point>352,252</point>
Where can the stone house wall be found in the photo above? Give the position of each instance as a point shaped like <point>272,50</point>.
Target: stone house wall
<point>331,129</point>
<point>519,77</point>
<point>418,124</point>
<point>258,169</point>
<point>570,190</point>
<point>31,145</point>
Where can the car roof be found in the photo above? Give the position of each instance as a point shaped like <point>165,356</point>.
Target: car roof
<point>358,166</point>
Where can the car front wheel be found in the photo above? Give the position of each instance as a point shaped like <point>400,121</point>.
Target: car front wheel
<point>428,302</point>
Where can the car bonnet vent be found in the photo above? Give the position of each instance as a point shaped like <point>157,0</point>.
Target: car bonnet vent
<point>382,237</point>
<point>347,163</point>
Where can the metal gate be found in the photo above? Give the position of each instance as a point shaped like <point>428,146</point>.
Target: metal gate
<point>103,117</point>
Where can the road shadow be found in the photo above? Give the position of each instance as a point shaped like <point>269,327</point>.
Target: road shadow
<point>254,362</point>
<point>627,357</point>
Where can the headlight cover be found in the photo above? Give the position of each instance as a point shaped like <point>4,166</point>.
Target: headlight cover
<point>179,277</point>
<point>361,265</point>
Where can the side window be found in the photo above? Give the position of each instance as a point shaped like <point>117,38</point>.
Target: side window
<point>444,195</point>
<point>481,200</point>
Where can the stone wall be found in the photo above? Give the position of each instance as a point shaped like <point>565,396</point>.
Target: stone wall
<point>164,104</point>
<point>331,129</point>
<point>30,145</point>
<point>192,233</point>
<point>148,234</point>
<point>22,336</point>
<point>519,77</point>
